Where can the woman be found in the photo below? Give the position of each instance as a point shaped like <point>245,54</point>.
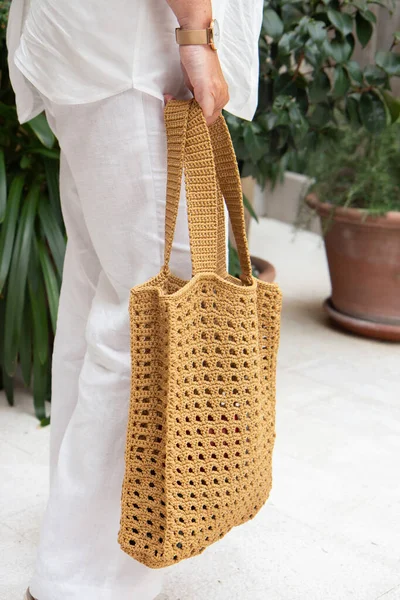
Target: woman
<point>102,71</point>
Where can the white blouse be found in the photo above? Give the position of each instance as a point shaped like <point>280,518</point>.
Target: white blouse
<point>80,51</point>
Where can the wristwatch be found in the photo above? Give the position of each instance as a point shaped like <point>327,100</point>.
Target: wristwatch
<point>203,37</point>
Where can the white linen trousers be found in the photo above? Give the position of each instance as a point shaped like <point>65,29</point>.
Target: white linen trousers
<point>113,184</point>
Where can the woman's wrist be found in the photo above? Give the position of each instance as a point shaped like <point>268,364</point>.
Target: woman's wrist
<point>192,14</point>
<point>196,21</point>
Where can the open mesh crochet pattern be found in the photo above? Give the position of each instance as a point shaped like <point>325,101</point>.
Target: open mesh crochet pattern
<point>201,426</point>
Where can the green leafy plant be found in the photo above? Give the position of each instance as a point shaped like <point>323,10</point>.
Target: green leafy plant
<point>32,243</point>
<point>310,83</point>
<point>360,171</point>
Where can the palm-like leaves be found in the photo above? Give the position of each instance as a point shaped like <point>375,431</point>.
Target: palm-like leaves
<point>32,247</point>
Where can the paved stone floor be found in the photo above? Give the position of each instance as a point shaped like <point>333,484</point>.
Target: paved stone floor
<point>331,529</point>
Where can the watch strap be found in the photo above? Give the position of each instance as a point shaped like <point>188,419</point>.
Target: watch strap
<point>186,37</point>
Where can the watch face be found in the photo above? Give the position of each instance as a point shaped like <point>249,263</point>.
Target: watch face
<point>216,34</point>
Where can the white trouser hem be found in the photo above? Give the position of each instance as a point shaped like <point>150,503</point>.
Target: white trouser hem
<point>42,589</point>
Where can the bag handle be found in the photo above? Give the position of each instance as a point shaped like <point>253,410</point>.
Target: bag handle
<point>231,186</point>
<point>207,157</point>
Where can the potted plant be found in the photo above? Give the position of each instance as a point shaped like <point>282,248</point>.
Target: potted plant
<point>357,195</point>
<point>32,244</point>
<point>308,79</point>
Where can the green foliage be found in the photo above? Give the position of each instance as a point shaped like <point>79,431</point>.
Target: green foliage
<point>309,85</point>
<point>309,82</point>
<point>4,8</point>
<point>360,171</point>
<point>32,243</point>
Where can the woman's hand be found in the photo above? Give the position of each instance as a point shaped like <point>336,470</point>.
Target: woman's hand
<point>200,64</point>
<point>204,77</point>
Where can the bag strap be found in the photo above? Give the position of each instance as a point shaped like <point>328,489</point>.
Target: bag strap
<point>229,181</point>
<point>207,157</point>
<point>175,115</point>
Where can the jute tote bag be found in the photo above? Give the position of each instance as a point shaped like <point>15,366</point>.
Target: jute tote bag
<point>201,424</point>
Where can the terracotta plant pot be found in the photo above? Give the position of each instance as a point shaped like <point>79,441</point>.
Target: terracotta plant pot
<point>265,269</point>
<point>364,262</point>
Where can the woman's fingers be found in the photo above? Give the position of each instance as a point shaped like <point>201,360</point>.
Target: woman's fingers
<point>213,103</point>
<point>203,76</point>
<point>167,98</point>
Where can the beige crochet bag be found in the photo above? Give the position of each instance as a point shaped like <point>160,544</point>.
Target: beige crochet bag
<point>201,425</point>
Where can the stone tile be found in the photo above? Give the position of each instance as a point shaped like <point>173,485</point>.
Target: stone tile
<point>342,429</point>
<point>20,428</point>
<point>12,455</point>
<point>26,522</point>
<point>278,557</point>
<point>374,526</point>
<point>298,344</point>
<point>311,494</point>
<point>340,505</point>
<point>335,462</point>
<point>22,486</point>
<point>330,528</point>
<point>17,557</point>
<point>295,390</point>
<point>309,344</point>
<point>369,375</point>
<point>24,446</point>
<point>392,594</point>
<point>22,412</point>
